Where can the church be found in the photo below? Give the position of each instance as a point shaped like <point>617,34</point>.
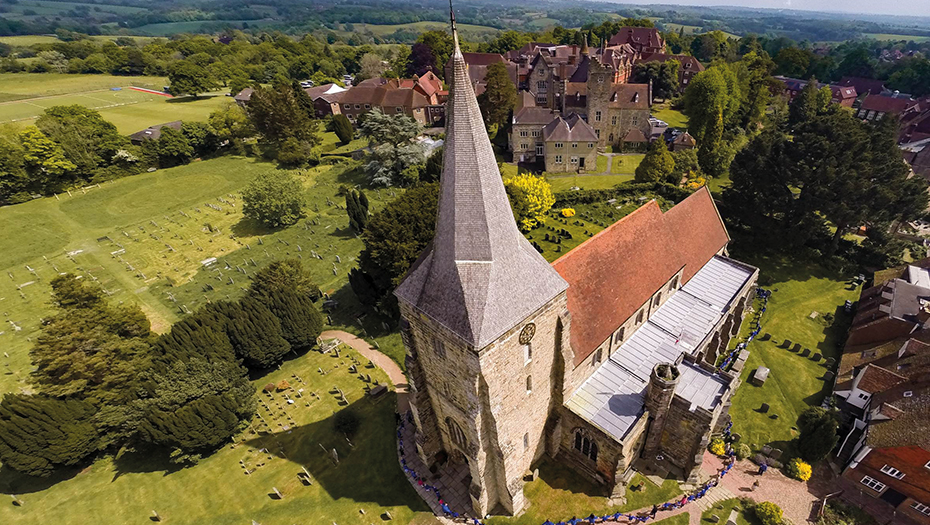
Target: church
<point>600,360</point>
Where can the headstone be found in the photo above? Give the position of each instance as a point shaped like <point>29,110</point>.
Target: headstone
<point>816,358</point>
<point>377,391</point>
<point>796,348</point>
<point>806,352</point>
<point>786,343</point>
<point>828,375</point>
<point>767,450</point>
<point>731,520</point>
<point>714,518</point>
<point>277,493</point>
<point>760,375</point>
<point>764,408</point>
<point>335,456</point>
<point>155,516</point>
<point>776,453</point>
<point>831,361</point>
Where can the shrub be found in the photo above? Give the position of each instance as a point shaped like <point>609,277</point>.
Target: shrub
<point>568,212</point>
<point>798,469</point>
<point>717,447</point>
<point>769,513</point>
<point>743,451</point>
<point>346,422</point>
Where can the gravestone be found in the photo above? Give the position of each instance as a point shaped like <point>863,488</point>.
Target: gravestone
<point>830,361</point>
<point>796,347</point>
<point>735,437</point>
<point>764,408</point>
<point>816,357</point>
<point>759,376</point>
<point>767,450</point>
<point>377,391</point>
<point>714,518</point>
<point>776,453</point>
<point>731,520</point>
<point>828,375</point>
<point>806,352</point>
<point>786,343</point>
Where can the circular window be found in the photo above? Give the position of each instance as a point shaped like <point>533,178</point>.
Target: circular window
<point>527,334</point>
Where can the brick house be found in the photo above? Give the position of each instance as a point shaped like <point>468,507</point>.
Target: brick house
<point>153,132</point>
<point>326,99</point>
<point>842,95</point>
<point>419,98</point>
<point>526,140</point>
<point>511,359</point>
<point>917,154</point>
<point>875,107</point>
<point>644,40</point>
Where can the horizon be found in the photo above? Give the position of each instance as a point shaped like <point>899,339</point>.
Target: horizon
<point>901,8</point>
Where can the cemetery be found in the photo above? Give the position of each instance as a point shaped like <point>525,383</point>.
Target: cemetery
<point>780,380</point>
<point>290,461</point>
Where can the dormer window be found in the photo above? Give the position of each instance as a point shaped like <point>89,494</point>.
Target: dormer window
<point>635,97</point>
<point>909,393</point>
<point>613,98</point>
<point>893,472</point>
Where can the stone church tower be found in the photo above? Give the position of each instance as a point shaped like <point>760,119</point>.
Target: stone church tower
<point>483,316</point>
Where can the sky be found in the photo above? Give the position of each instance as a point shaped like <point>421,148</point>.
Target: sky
<point>897,7</point>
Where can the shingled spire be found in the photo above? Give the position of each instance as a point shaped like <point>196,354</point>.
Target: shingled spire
<point>480,277</point>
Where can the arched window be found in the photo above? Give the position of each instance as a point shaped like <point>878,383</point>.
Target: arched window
<point>585,445</point>
<point>658,299</point>
<point>458,435</point>
<point>529,384</point>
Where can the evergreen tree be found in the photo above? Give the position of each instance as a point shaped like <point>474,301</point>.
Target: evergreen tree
<point>255,333</point>
<point>657,165</point>
<point>433,169</point>
<point>808,104</point>
<point>818,434</point>
<point>499,97</point>
<point>286,274</point>
<point>301,322</point>
<point>343,128</point>
<point>420,60</point>
<point>39,433</point>
<point>357,208</point>
<point>201,335</point>
<point>712,152</point>
<point>274,198</point>
<point>173,147</point>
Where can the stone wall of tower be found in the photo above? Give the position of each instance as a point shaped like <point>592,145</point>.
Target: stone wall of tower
<point>485,394</point>
<point>598,97</point>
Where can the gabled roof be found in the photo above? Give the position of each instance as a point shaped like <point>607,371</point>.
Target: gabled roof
<point>863,86</point>
<point>843,92</point>
<point>635,135</point>
<point>480,276</point>
<point>244,96</point>
<point>637,36</point>
<point>533,115</point>
<point>883,104</point>
<point>875,379</point>
<point>646,249</point>
<point>685,139</point>
<point>154,132</point>
<point>571,129</point>
<point>629,96</point>
<point>910,428</point>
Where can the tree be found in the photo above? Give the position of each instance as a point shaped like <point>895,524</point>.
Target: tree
<point>274,199</point>
<point>90,350</point>
<point>301,322</point>
<point>55,60</point>
<point>818,436</point>
<point>201,136</point>
<point>285,274</point>
<point>173,147</point>
<point>421,60</point>
<point>379,128</point>
<point>187,78</point>
<point>857,63</point>
<point>711,100</point>
<point>657,165</point>
<point>440,44</point>
<point>769,513</point>
<point>433,169</point>
<point>370,66</point>
<point>255,333</point>
<point>792,62</point>
<point>808,104</point>
<point>357,209</point>
<point>396,236</point>
<point>39,433</point>
<point>280,113</point>
<point>86,139</point>
<point>343,128</point>
<point>14,184</point>
<point>663,75</point>
<point>499,97</point>
<point>44,160</point>
<point>530,198</point>
<point>231,123</point>
<point>293,153</point>
<point>196,405</point>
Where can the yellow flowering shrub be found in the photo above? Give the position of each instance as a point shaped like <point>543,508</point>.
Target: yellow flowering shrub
<point>798,469</point>
<point>568,212</point>
<point>717,447</point>
<point>530,198</point>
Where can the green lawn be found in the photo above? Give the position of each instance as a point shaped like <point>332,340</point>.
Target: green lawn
<point>718,184</point>
<point>217,490</point>
<point>626,164</point>
<point>794,382</point>
<point>601,164</point>
<point>896,37</point>
<point>722,511</point>
<point>33,85</point>
<point>559,494</point>
<point>674,118</point>
<point>586,182</point>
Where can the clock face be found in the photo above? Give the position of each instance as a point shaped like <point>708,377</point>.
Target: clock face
<point>527,334</point>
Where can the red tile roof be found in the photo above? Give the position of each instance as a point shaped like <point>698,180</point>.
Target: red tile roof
<point>637,36</point>
<point>646,248</point>
<point>876,379</point>
<point>887,104</point>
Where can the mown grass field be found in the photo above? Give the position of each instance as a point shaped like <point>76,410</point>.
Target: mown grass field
<point>674,118</point>
<point>218,490</point>
<point>585,182</point>
<point>17,86</point>
<point>143,238</point>
<point>794,382</point>
<point>895,37</point>
<point>722,510</point>
<point>560,494</point>
<point>626,164</point>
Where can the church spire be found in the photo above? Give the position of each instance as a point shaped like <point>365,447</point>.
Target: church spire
<point>480,277</point>
<point>584,45</point>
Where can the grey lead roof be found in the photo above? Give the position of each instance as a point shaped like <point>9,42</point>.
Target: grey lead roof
<point>612,398</point>
<point>480,277</point>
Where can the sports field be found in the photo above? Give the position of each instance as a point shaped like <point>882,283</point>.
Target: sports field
<point>894,37</point>
<point>24,96</point>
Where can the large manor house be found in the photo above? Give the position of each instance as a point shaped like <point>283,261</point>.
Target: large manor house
<point>601,360</point>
